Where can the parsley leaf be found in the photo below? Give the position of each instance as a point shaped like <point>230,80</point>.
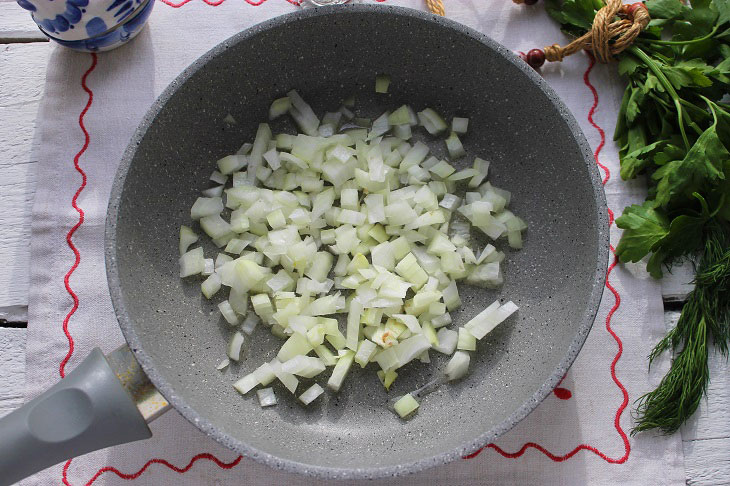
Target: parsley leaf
<point>643,227</point>
<point>701,166</point>
<point>665,9</point>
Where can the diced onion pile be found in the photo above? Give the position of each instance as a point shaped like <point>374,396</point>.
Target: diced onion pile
<point>354,219</point>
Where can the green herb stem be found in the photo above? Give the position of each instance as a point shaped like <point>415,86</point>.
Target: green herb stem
<point>704,318</point>
<point>667,85</point>
<point>680,43</point>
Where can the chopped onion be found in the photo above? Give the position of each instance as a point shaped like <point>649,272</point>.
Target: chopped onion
<point>266,397</point>
<point>232,163</point>
<point>490,318</point>
<point>211,285</point>
<point>405,406</point>
<point>192,263</point>
<point>216,191</point>
<point>246,384</point>
<point>443,169</point>
<point>447,340</point>
<point>206,206</point>
<point>303,114</point>
<point>457,366</point>
<point>388,209</point>
<point>279,107</point>
<point>235,345</point>
<point>311,394</point>
<point>187,238</point>
<point>223,364</point>
<point>466,341</point>
<point>304,366</point>
<point>459,125</point>
<point>432,121</point>
<point>287,379</point>
<point>380,126</point>
<point>339,373</point>
<point>454,146</point>
<point>365,352</point>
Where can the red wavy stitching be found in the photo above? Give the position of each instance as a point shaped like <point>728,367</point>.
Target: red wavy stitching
<point>135,475</point>
<point>511,455</point>
<point>215,3</point>
<point>77,260</point>
<point>617,303</point>
<point>69,235</point>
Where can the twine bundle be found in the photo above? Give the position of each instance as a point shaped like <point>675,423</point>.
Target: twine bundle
<point>436,7</point>
<point>614,29</point>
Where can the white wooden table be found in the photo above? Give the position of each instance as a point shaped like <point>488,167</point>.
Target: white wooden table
<point>23,56</point>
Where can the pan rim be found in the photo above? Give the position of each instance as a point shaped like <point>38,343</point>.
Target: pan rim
<point>211,430</point>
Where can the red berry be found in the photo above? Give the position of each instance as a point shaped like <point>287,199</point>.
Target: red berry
<point>522,55</point>
<point>535,58</point>
<point>632,8</point>
<point>530,2</point>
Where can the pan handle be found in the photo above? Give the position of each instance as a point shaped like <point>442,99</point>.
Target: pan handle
<point>86,411</point>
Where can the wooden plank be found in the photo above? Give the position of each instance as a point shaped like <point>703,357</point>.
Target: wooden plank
<point>712,419</point>
<point>17,25</point>
<point>707,462</point>
<point>12,368</point>
<point>677,284</point>
<point>22,77</point>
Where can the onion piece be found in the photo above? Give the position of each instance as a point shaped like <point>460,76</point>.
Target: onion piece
<point>457,366</point>
<point>447,341</point>
<point>192,263</point>
<point>311,394</point>
<point>235,345</point>
<point>490,318</point>
<point>304,366</point>
<point>466,341</point>
<point>279,107</point>
<point>339,373</point>
<point>246,384</point>
<point>303,114</point>
<point>406,406</point>
<point>287,379</point>
<point>206,206</point>
<point>454,146</point>
<point>232,163</point>
<point>216,191</point>
<point>366,349</point>
<point>187,238</point>
<point>459,125</point>
<point>432,121</point>
<point>211,285</point>
<point>266,397</point>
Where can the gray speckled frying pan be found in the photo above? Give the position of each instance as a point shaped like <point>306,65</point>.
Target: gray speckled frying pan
<point>537,152</point>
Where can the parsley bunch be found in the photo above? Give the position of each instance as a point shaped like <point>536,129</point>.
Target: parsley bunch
<point>674,128</point>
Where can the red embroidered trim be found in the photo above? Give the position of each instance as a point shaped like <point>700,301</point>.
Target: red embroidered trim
<point>135,475</point>
<point>215,3</point>
<point>69,235</point>
<point>235,462</point>
<point>617,303</point>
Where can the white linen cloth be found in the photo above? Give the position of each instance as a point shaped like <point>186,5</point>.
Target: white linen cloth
<point>124,83</point>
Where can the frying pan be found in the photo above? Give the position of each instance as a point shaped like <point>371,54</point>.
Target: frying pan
<point>327,54</point>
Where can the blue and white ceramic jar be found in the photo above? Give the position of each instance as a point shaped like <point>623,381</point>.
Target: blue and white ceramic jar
<point>89,25</point>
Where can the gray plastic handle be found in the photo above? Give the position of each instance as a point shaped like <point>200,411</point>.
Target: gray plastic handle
<point>86,411</point>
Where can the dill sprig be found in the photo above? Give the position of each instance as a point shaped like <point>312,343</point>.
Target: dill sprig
<point>704,320</point>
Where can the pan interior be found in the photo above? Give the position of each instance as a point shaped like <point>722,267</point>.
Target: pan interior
<point>327,57</point>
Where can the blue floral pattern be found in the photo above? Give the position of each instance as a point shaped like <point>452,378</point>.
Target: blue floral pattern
<point>121,34</point>
<point>61,22</point>
<point>101,25</point>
